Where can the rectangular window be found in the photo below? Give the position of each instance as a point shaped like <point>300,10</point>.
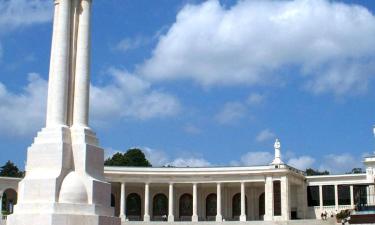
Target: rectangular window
<point>277,198</point>
<point>313,196</point>
<point>328,195</point>
<point>344,194</point>
<point>360,194</point>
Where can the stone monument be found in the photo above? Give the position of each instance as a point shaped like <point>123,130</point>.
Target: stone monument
<point>277,160</point>
<point>64,182</point>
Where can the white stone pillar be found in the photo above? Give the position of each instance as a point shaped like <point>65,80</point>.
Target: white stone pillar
<point>243,202</point>
<point>170,204</point>
<point>146,217</point>
<point>321,198</point>
<point>352,196</point>
<point>123,202</point>
<point>219,217</point>
<point>195,204</point>
<point>336,198</point>
<point>285,203</point>
<point>269,199</point>
<point>57,102</point>
<point>82,69</point>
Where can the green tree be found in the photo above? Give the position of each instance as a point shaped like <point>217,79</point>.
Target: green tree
<point>133,157</point>
<point>312,172</point>
<point>10,170</point>
<point>356,171</point>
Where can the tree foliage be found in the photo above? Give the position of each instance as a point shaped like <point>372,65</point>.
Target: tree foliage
<point>312,172</point>
<point>356,171</point>
<point>10,170</point>
<point>133,157</point>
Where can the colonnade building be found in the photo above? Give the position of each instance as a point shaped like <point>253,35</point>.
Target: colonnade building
<point>274,192</point>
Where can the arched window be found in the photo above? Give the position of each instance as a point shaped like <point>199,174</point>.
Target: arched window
<point>186,207</point>
<point>160,206</point>
<point>9,200</point>
<point>133,207</point>
<point>236,206</point>
<point>262,209</point>
<point>211,206</point>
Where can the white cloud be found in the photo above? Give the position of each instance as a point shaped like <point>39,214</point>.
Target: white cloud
<point>340,163</point>
<point>192,129</point>
<point>23,113</point>
<point>302,162</point>
<point>127,44</point>
<point>128,96</point>
<point>231,113</point>
<point>157,158</point>
<point>265,135</point>
<point>255,159</point>
<point>255,99</point>
<point>253,41</point>
<point>17,13</point>
<point>190,162</point>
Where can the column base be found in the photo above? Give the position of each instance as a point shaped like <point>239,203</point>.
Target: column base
<point>268,218</point>
<point>194,218</point>
<point>243,218</point>
<point>170,218</point>
<point>146,218</point>
<point>123,218</point>
<point>219,218</point>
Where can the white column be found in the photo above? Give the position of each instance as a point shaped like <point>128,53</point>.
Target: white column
<point>321,198</point>
<point>170,204</point>
<point>352,196</point>
<point>243,202</point>
<point>123,202</point>
<point>195,204</point>
<point>58,79</point>
<point>268,199</point>
<point>219,217</point>
<point>336,197</point>
<point>285,203</point>
<point>146,216</point>
<point>82,70</point>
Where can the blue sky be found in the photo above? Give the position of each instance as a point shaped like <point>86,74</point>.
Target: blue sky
<point>206,83</point>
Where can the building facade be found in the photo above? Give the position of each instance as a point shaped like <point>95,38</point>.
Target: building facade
<point>275,192</point>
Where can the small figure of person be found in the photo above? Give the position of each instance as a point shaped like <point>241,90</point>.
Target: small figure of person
<point>322,216</point>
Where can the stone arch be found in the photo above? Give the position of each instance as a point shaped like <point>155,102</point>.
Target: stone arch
<point>211,206</point>
<point>262,203</point>
<point>133,207</point>
<point>186,206</point>
<point>9,199</point>
<point>160,206</point>
<point>236,205</point>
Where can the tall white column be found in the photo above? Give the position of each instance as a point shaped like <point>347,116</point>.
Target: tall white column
<point>123,202</point>
<point>82,69</point>
<point>269,199</point>
<point>336,197</point>
<point>243,202</point>
<point>170,203</point>
<point>219,217</point>
<point>59,78</point>
<point>146,216</point>
<point>352,196</point>
<point>321,198</point>
<point>195,204</point>
<point>285,203</point>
